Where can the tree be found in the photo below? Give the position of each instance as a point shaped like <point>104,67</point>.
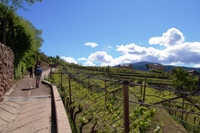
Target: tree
<point>21,36</point>
<point>18,3</point>
<point>182,80</point>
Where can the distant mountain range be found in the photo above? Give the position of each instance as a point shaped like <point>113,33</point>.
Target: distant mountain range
<point>142,66</point>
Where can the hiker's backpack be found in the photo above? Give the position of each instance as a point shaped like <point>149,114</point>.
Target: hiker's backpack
<point>38,71</point>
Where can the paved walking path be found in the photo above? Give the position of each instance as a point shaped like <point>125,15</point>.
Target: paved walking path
<point>26,109</point>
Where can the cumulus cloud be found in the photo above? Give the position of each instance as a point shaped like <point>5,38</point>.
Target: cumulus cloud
<point>135,52</point>
<point>197,66</point>
<point>131,49</point>
<point>176,51</point>
<point>89,63</point>
<point>172,37</point>
<point>100,56</point>
<point>82,59</point>
<point>69,59</point>
<point>187,52</point>
<point>91,44</point>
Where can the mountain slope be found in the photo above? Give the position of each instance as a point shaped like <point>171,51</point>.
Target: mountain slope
<point>142,66</point>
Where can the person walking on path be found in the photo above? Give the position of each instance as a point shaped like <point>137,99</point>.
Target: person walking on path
<point>38,74</point>
<point>31,71</point>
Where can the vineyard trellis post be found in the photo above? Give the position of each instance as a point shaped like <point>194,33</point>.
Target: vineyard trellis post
<point>70,97</point>
<point>51,73</point>
<point>126,106</point>
<point>53,76</point>
<point>105,91</point>
<point>141,90</point>
<point>61,74</point>
<point>145,79</point>
<point>182,108</point>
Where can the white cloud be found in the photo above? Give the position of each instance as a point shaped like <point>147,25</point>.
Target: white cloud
<point>100,56</point>
<point>183,53</point>
<point>175,51</point>
<point>134,52</point>
<point>88,63</point>
<point>109,46</point>
<point>82,59</point>
<point>131,49</point>
<point>197,66</point>
<point>121,60</point>
<point>69,59</point>
<point>91,44</point>
<point>172,37</point>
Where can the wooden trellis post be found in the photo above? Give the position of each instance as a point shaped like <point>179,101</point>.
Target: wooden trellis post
<point>61,74</point>
<point>105,91</point>
<point>144,89</point>
<point>141,91</point>
<point>51,73</point>
<point>52,76</point>
<point>126,106</point>
<point>182,108</point>
<point>70,97</point>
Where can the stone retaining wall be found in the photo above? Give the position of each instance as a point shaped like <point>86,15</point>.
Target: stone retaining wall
<point>6,68</point>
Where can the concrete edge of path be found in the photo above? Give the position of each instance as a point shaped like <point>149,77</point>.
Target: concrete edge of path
<point>61,119</point>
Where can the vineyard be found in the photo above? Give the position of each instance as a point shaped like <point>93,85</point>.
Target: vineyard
<point>113,100</point>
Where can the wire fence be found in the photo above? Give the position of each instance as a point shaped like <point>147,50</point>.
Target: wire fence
<point>164,103</point>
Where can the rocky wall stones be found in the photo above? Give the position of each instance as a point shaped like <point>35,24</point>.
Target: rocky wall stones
<point>6,68</point>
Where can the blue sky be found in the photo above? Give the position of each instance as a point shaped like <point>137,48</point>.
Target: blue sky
<point>112,32</point>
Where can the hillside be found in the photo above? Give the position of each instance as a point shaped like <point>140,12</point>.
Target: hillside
<point>99,92</point>
<point>142,66</point>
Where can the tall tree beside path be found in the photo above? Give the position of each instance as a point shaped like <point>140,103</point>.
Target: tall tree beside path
<point>21,36</point>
